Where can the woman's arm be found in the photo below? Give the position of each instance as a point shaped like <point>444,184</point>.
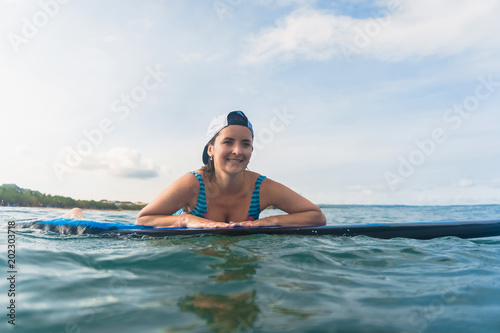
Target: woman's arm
<point>301,212</point>
<point>178,221</point>
<point>159,212</point>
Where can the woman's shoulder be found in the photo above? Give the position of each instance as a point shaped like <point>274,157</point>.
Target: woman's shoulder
<point>189,179</point>
<point>252,173</point>
<point>254,176</point>
<point>198,171</point>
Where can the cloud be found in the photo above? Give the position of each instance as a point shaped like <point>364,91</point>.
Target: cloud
<point>189,58</point>
<point>495,183</point>
<point>123,162</point>
<point>287,2</point>
<point>399,30</point>
<point>465,182</point>
<point>109,39</point>
<point>304,34</point>
<point>364,190</point>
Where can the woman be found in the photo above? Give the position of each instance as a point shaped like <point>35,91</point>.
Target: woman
<point>223,193</point>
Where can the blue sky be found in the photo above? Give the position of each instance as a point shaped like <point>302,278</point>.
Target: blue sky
<point>353,102</point>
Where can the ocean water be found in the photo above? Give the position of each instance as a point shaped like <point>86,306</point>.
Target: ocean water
<point>259,283</point>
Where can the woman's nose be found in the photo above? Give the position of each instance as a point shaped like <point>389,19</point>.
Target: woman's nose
<point>236,149</point>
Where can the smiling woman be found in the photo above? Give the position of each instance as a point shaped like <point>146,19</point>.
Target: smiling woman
<point>223,193</point>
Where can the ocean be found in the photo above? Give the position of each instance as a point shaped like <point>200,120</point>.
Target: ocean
<point>258,283</point>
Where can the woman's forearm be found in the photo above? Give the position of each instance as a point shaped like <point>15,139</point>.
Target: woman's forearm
<point>309,218</point>
<point>179,221</point>
<point>158,221</point>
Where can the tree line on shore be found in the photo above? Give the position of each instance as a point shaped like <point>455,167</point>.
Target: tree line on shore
<point>12,195</point>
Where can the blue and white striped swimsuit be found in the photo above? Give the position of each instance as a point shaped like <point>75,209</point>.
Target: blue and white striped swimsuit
<point>201,205</point>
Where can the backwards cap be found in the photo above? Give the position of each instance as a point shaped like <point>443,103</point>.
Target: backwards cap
<point>222,121</point>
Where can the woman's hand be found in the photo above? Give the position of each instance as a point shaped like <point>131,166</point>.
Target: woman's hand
<point>307,218</point>
<point>191,221</point>
<point>270,221</point>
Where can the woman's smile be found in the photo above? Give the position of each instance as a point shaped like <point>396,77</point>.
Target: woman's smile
<point>235,160</point>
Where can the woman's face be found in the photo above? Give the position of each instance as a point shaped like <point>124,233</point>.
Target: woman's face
<point>232,148</point>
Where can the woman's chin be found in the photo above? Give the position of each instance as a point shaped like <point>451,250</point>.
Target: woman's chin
<point>235,166</point>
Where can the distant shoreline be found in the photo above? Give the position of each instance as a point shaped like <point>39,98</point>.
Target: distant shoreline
<point>119,209</point>
<point>12,195</point>
<point>67,209</point>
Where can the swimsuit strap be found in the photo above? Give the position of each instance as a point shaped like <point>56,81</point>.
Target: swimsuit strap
<point>201,205</point>
<point>254,210</point>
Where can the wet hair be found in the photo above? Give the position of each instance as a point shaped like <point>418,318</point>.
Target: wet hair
<point>209,168</point>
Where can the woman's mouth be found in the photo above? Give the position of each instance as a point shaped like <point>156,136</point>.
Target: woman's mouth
<point>235,160</point>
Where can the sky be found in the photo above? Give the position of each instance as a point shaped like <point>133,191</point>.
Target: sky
<point>352,102</point>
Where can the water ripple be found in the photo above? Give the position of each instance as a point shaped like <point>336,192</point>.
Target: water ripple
<point>259,283</point>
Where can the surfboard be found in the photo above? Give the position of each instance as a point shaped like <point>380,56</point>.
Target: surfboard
<point>416,230</point>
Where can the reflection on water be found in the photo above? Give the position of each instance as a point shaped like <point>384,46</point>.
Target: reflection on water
<point>222,310</point>
<point>224,313</point>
